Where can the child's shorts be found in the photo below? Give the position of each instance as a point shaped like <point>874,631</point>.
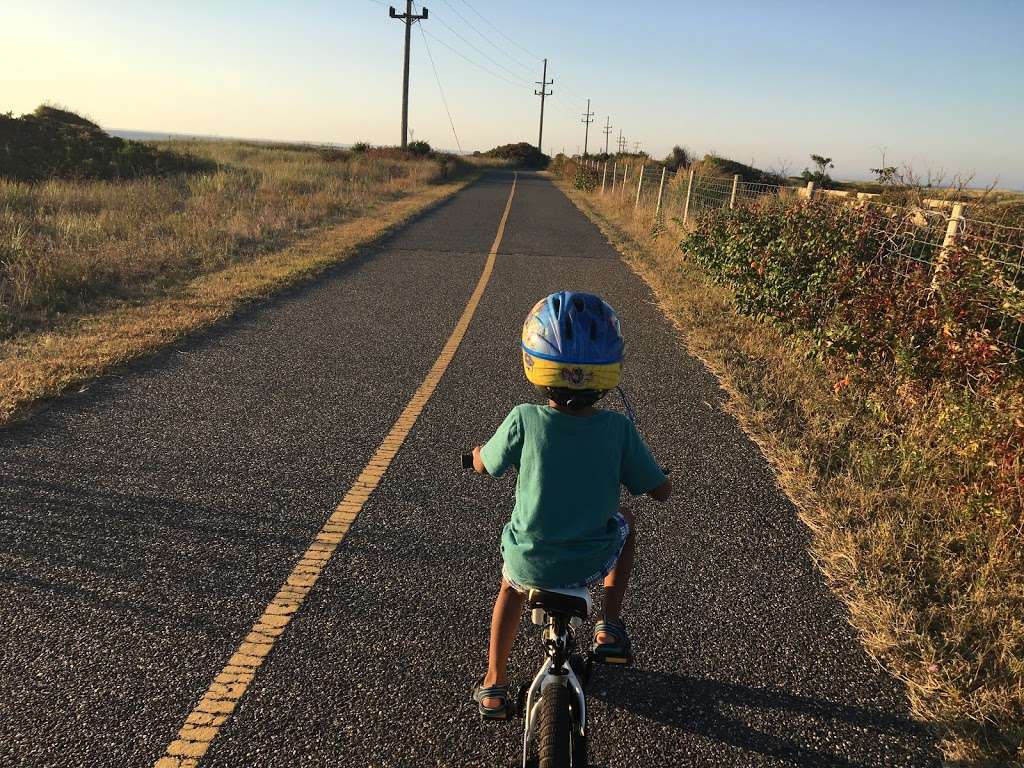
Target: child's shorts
<point>593,578</point>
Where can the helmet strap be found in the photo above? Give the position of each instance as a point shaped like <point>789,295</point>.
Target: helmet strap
<point>626,405</point>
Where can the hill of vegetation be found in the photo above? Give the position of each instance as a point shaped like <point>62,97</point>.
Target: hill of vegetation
<point>55,143</point>
<point>713,165</point>
<point>522,154</point>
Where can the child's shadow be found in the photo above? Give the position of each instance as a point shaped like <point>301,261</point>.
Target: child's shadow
<point>702,706</point>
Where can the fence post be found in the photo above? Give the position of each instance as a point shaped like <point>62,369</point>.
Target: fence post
<point>639,188</point>
<point>689,189</point>
<point>810,189</point>
<point>661,189</point>
<point>604,176</point>
<point>732,197</point>
<point>625,175</point>
<point>956,218</point>
<point>615,173</point>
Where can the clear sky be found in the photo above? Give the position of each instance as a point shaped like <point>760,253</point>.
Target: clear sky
<point>939,85</point>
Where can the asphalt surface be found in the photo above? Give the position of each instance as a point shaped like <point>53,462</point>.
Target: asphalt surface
<point>146,521</point>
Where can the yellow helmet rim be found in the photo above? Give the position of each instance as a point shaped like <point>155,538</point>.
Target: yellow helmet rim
<point>550,373</point>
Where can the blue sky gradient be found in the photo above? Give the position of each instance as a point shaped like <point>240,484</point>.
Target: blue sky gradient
<point>938,85</point>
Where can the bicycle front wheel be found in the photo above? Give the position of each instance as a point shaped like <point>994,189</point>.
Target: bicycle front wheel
<point>554,728</point>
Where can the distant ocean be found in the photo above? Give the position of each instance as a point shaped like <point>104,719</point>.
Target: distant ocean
<point>157,136</point>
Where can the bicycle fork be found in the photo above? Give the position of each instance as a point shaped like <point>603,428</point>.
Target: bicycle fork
<point>555,670</point>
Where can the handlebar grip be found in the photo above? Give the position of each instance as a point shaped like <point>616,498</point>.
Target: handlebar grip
<point>467,461</point>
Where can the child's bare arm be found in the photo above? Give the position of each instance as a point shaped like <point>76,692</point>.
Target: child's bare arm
<point>478,463</point>
<point>662,492</point>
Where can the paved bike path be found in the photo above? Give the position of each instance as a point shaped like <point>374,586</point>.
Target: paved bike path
<point>148,521</point>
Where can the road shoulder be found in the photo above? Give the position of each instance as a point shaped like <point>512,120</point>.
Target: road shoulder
<point>42,365</point>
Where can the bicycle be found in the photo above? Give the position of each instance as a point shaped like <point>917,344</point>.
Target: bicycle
<point>554,706</point>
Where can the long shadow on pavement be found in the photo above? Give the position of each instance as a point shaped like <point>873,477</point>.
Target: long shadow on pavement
<point>702,706</point>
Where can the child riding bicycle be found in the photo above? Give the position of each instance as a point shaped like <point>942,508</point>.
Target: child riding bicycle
<point>567,529</point>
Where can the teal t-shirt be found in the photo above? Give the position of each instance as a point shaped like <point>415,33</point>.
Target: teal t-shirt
<point>562,529</point>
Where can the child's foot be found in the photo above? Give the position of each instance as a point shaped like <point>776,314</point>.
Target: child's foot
<point>492,701</point>
<point>611,643</point>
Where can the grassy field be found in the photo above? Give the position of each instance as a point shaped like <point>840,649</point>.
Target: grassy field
<point>916,518</point>
<point>72,246</point>
<point>95,272</point>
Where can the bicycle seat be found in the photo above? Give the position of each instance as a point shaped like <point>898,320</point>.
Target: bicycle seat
<point>567,602</point>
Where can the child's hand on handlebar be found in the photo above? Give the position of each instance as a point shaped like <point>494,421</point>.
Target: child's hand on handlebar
<point>474,462</point>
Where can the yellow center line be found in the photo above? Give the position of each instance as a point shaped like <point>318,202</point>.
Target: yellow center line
<point>218,703</point>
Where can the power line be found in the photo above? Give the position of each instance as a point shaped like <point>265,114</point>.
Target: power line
<point>498,30</point>
<point>474,63</point>
<point>482,53</point>
<point>573,93</point>
<point>440,89</point>
<point>568,110</point>
<point>496,47</point>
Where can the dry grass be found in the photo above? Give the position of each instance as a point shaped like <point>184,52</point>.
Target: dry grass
<point>69,246</point>
<point>95,273</point>
<point>934,581</point>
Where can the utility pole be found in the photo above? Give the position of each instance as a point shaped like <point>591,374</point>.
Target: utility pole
<point>408,18</point>
<point>636,147</point>
<point>607,132</point>
<point>588,118</point>
<point>543,83</point>
<point>622,143</point>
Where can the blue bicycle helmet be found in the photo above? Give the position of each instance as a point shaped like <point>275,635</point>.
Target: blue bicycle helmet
<point>573,348</point>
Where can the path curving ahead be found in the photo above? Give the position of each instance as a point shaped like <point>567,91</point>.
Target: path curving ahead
<point>147,523</point>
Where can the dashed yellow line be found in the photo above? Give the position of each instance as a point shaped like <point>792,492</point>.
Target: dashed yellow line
<point>218,703</point>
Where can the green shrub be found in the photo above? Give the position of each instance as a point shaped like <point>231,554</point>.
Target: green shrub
<point>419,148</point>
<point>362,146</point>
<point>522,154</point>
<point>680,158</point>
<point>55,143</point>
<point>585,178</point>
<point>861,287</point>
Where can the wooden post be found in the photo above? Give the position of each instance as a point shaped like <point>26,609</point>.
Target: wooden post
<point>689,189</point>
<point>661,189</point>
<point>810,189</point>
<point>604,176</point>
<point>732,197</point>
<point>615,172</point>
<point>625,175</point>
<point>639,188</point>
<point>953,227</point>
<point>956,217</point>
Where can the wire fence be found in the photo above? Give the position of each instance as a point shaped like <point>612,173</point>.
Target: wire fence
<point>911,236</point>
